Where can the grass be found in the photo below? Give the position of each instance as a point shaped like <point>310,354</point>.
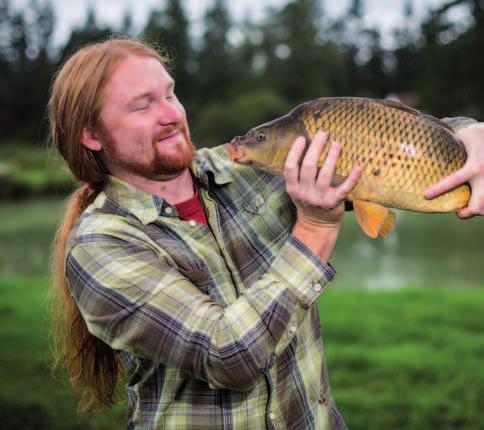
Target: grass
<point>30,396</point>
<point>405,359</point>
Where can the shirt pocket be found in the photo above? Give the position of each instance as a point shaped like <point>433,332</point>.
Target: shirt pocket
<point>270,212</point>
<point>256,205</point>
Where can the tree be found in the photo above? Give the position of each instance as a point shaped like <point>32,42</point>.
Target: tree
<point>41,67</point>
<point>440,85</point>
<point>25,56</point>
<point>89,33</point>
<point>217,69</point>
<point>127,23</point>
<point>300,63</point>
<point>408,64</point>
<point>5,70</point>
<point>170,29</point>
<point>373,75</point>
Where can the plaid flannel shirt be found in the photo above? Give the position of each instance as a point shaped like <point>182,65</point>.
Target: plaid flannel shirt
<point>215,326</point>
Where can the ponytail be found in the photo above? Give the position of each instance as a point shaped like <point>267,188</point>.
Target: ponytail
<point>91,364</point>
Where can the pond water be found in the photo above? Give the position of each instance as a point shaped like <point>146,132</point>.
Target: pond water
<point>423,249</point>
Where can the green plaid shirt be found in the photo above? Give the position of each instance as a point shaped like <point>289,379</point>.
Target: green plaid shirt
<point>216,327</point>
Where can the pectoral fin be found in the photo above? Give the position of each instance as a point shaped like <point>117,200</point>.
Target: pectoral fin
<point>374,219</point>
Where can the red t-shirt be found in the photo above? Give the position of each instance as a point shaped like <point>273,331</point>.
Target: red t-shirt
<point>192,209</point>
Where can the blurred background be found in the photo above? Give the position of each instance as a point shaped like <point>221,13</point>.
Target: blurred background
<point>402,323</point>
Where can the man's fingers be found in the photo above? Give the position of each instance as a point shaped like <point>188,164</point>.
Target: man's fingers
<point>291,165</point>
<point>476,202</point>
<point>349,183</point>
<point>327,170</point>
<point>448,183</point>
<point>465,213</point>
<point>309,166</point>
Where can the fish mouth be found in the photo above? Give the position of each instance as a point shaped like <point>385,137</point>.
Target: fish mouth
<point>236,152</point>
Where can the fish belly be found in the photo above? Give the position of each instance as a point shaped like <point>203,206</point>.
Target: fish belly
<point>380,192</point>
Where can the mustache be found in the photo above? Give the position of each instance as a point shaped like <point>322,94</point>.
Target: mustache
<point>168,131</point>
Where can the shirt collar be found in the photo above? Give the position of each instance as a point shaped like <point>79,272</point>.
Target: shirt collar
<point>206,171</point>
<point>148,207</point>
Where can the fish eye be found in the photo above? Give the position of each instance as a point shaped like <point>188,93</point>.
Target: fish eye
<point>261,136</point>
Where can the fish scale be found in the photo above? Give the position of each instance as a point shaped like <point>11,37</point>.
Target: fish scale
<point>401,150</point>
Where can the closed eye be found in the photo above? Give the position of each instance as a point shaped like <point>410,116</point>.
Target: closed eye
<point>141,107</point>
<point>142,104</point>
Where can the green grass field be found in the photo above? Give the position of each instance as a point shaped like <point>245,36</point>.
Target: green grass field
<point>401,359</point>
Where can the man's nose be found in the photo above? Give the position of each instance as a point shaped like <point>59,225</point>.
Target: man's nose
<point>170,113</point>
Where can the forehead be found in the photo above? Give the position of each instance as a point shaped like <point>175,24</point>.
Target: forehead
<point>135,75</point>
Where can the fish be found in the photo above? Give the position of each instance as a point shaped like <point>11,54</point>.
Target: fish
<point>402,151</point>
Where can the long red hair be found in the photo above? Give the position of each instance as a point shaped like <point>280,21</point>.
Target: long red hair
<point>75,103</point>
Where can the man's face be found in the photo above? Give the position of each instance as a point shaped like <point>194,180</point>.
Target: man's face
<point>143,131</point>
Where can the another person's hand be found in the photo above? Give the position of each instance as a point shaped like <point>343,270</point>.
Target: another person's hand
<point>318,203</point>
<point>472,172</point>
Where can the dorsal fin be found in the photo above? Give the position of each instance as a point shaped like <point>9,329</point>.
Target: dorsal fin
<point>405,108</point>
<point>459,122</point>
<point>399,105</point>
<point>438,122</point>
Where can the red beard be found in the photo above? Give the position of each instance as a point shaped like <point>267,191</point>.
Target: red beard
<point>161,167</point>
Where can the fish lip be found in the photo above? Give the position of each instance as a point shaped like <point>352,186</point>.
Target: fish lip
<point>236,153</point>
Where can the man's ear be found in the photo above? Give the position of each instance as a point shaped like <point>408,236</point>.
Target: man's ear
<point>90,139</point>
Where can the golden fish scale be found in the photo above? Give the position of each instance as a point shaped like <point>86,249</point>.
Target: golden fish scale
<point>402,153</point>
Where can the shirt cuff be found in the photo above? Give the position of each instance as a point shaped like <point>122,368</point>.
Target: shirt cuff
<point>305,273</point>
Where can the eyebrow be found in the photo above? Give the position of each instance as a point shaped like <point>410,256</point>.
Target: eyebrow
<point>139,97</point>
<point>169,87</point>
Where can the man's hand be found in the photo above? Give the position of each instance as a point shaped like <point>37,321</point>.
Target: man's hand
<point>317,202</point>
<point>472,172</point>
<point>320,206</point>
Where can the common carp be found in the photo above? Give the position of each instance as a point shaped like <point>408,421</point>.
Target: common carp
<point>402,151</point>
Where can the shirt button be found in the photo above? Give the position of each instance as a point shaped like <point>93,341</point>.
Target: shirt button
<point>272,416</point>
<point>168,210</point>
<point>293,329</point>
<point>192,223</point>
<point>317,287</point>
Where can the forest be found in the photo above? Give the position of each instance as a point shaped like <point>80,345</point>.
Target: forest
<point>235,75</point>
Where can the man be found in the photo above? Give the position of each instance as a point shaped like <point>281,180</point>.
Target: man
<point>197,278</point>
